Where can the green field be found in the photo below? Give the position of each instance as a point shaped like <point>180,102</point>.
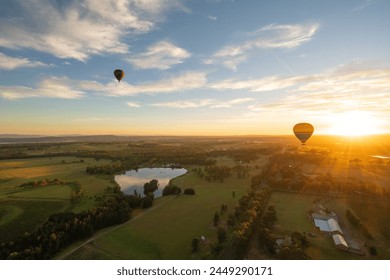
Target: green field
<point>167,231</point>
<point>25,215</point>
<point>23,209</point>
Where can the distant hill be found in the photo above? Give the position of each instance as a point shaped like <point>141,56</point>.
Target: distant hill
<point>14,138</point>
<point>17,138</point>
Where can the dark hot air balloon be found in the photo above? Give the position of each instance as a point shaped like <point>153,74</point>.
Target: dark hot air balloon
<point>303,131</point>
<point>119,74</point>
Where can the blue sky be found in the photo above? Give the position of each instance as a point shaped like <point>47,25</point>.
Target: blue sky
<point>194,67</point>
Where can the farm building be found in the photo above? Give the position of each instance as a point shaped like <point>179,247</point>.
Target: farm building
<point>327,224</point>
<point>340,242</point>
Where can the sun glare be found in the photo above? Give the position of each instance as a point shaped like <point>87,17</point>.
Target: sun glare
<point>354,123</point>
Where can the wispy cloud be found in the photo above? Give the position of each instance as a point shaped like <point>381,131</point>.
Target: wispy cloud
<point>62,87</point>
<point>258,85</point>
<point>185,104</point>
<point>162,55</point>
<point>92,119</point>
<point>133,104</point>
<point>79,29</point>
<point>340,90</point>
<point>214,18</point>
<point>11,63</point>
<point>198,103</point>
<point>181,82</point>
<point>268,37</point>
<point>53,87</point>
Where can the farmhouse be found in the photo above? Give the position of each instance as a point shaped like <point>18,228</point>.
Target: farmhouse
<point>327,224</point>
<point>340,242</point>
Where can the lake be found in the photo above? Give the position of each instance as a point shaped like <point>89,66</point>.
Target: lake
<point>381,157</point>
<point>134,180</point>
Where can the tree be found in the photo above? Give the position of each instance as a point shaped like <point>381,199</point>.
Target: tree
<point>221,234</point>
<point>216,218</point>
<point>151,186</point>
<point>189,191</point>
<point>195,244</point>
<point>171,189</point>
<point>147,201</point>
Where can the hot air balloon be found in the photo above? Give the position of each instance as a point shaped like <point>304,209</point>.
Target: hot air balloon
<point>119,74</point>
<point>303,131</point>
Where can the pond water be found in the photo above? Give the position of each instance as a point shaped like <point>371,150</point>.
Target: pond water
<point>134,180</point>
<point>381,157</point>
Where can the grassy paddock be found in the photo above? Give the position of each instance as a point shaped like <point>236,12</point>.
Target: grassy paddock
<point>16,172</point>
<point>25,215</point>
<point>22,209</point>
<point>167,231</point>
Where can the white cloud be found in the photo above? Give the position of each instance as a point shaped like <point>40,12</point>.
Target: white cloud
<point>62,87</point>
<point>214,18</point>
<point>11,63</point>
<point>231,103</point>
<point>92,119</point>
<point>258,85</point>
<point>16,92</point>
<point>198,103</point>
<point>185,104</point>
<point>133,104</point>
<point>53,87</point>
<point>80,29</point>
<point>162,55</point>
<point>340,90</point>
<point>181,82</point>
<point>268,37</point>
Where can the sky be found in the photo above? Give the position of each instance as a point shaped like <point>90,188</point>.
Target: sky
<point>204,67</point>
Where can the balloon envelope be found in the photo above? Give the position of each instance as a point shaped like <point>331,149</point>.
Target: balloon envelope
<point>119,74</point>
<point>303,131</point>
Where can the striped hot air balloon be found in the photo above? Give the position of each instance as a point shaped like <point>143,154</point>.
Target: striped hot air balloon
<point>303,131</point>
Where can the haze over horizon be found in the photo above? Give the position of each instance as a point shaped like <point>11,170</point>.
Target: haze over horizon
<point>210,67</point>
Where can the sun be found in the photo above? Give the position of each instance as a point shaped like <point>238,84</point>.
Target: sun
<point>354,123</point>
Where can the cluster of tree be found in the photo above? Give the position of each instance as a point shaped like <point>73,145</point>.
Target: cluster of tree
<point>171,189</point>
<point>62,229</point>
<point>219,214</point>
<point>244,154</point>
<point>243,223</point>
<point>77,192</point>
<point>43,183</point>
<point>241,170</point>
<point>295,249</point>
<point>216,173</point>
<point>291,248</point>
<point>109,169</point>
<point>285,174</point>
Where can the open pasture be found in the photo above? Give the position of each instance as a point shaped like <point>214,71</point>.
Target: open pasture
<point>23,209</point>
<point>69,169</point>
<point>21,216</point>
<point>167,231</point>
